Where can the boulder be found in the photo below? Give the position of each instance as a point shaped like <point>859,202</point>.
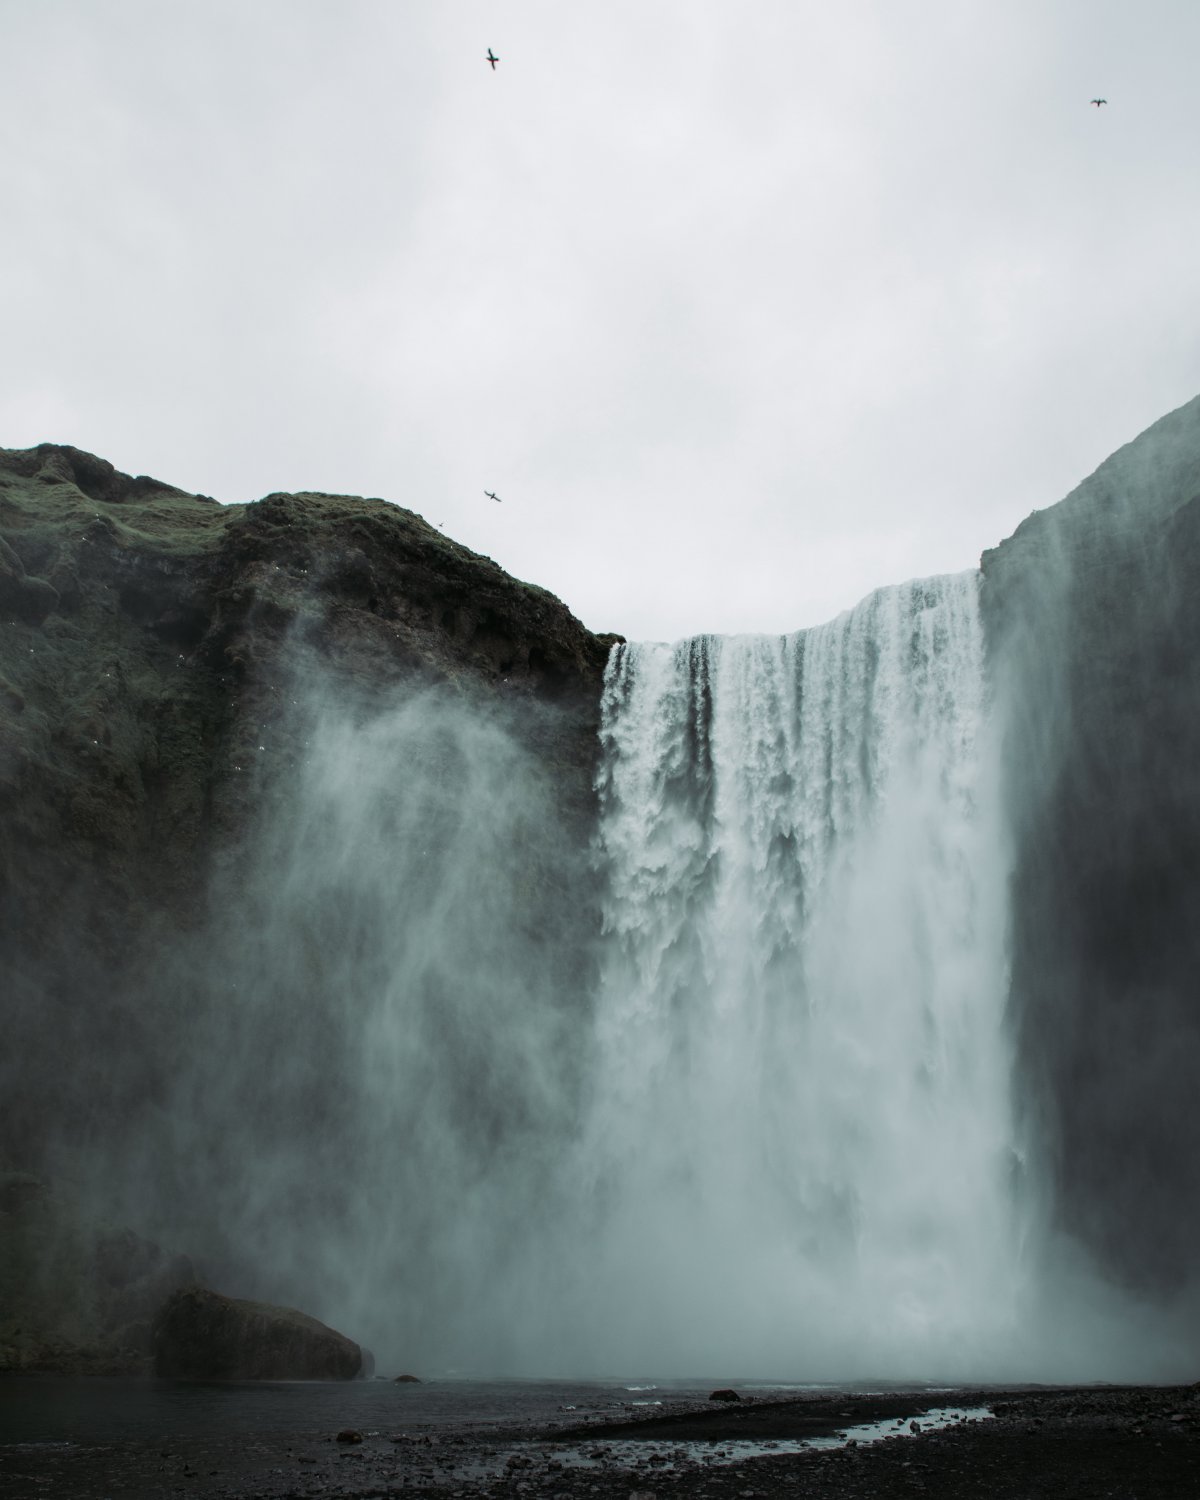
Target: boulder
<point>201,1335</point>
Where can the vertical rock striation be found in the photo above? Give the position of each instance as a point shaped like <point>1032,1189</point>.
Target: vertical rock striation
<point>1093,616</point>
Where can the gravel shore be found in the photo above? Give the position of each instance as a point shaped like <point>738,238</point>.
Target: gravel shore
<point>1123,1443</point>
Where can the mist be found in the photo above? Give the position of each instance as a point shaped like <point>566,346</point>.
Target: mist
<point>1091,607</point>
<point>380,1029</point>
<point>810,1149</point>
<point>733,1085</point>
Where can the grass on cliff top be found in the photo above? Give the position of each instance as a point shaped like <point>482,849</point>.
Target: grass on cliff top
<point>164,521</point>
<point>172,524</point>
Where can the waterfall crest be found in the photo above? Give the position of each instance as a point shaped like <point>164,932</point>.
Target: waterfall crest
<point>800,1147</point>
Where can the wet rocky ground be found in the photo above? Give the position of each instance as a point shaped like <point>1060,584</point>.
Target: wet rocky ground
<point>1069,1444</point>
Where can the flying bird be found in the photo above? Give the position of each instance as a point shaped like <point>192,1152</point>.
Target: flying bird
<point>492,59</point>
<point>1099,102</point>
<point>493,496</point>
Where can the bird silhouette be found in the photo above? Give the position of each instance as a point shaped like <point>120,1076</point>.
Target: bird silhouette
<point>1099,102</point>
<point>493,496</point>
<point>492,59</point>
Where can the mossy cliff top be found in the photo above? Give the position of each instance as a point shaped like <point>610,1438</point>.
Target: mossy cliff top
<point>146,636</point>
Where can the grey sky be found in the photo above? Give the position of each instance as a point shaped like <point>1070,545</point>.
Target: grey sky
<point>743,310</point>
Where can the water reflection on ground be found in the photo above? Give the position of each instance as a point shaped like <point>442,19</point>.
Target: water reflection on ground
<point>140,1438</point>
<point>56,1410</point>
<point>64,1409</point>
<point>668,1456</point>
<point>60,1409</point>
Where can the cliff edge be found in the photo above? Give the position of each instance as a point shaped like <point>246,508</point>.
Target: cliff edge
<point>163,659</point>
<point>1093,615</point>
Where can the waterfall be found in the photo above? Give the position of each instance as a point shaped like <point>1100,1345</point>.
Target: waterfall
<point>800,1150</point>
<point>729,1094</point>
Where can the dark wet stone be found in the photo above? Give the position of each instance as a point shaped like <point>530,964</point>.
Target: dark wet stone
<point>201,1335</point>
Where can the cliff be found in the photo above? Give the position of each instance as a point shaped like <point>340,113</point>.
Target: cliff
<point>165,663</point>
<point>144,636</point>
<point>1093,616</point>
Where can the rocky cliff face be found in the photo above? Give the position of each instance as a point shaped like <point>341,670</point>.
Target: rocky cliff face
<point>1093,609</point>
<point>163,660</point>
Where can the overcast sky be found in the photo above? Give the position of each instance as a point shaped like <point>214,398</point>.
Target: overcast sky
<point>743,310</point>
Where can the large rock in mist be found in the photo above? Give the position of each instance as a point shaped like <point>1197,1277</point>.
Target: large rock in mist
<point>201,1335</point>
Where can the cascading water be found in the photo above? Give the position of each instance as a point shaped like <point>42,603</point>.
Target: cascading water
<point>760,1125</point>
<point>392,1071</point>
<point>800,1149</point>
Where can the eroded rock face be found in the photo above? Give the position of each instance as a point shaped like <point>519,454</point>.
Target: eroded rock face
<point>144,634</point>
<point>160,656</point>
<point>1093,614</point>
<point>150,643</point>
<point>201,1335</point>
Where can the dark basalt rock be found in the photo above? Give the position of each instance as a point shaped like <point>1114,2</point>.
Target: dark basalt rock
<point>145,638</point>
<point>150,642</point>
<point>201,1335</point>
<point>1092,611</point>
